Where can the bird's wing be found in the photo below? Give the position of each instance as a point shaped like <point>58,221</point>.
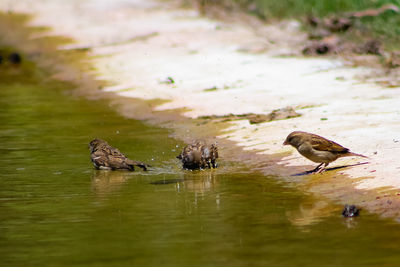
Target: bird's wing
<point>99,159</point>
<point>113,152</point>
<point>112,157</point>
<point>322,144</point>
<point>117,161</point>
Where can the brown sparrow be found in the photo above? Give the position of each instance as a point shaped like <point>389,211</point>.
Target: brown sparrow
<point>317,149</point>
<point>105,157</point>
<point>199,155</point>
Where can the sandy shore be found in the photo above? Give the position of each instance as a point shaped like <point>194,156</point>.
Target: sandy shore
<point>217,68</point>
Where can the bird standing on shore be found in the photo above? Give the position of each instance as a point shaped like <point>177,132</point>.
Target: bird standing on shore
<point>105,157</point>
<point>199,155</point>
<point>318,149</point>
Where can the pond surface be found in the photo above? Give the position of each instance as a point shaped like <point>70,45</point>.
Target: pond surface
<point>56,210</point>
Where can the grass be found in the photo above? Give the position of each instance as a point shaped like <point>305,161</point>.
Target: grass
<point>383,27</point>
<point>295,8</point>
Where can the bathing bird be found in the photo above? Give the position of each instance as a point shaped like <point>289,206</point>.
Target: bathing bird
<point>350,211</point>
<point>106,157</point>
<point>318,149</point>
<point>199,155</point>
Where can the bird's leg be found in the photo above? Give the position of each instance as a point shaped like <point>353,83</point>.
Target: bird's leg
<point>214,164</point>
<point>323,168</point>
<point>316,169</point>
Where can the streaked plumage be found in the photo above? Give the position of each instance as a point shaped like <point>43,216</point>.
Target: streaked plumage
<point>317,148</point>
<point>106,157</point>
<point>199,155</point>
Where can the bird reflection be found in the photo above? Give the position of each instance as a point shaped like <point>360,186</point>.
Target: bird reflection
<point>104,182</point>
<point>311,212</point>
<point>200,181</point>
<point>350,222</point>
<point>196,181</point>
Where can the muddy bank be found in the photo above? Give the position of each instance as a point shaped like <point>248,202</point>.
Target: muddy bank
<point>171,67</point>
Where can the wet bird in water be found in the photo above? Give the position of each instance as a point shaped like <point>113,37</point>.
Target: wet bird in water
<point>199,155</point>
<point>350,211</point>
<point>105,157</point>
<point>318,149</point>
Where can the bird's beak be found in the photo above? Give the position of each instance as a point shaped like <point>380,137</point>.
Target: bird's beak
<point>285,143</point>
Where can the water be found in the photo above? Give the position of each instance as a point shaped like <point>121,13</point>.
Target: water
<point>56,210</point>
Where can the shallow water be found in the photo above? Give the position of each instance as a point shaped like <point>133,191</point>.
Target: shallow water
<point>55,209</point>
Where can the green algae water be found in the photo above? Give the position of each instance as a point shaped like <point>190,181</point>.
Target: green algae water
<point>57,210</point>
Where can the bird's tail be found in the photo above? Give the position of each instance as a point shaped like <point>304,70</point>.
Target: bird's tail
<point>142,165</point>
<point>350,154</point>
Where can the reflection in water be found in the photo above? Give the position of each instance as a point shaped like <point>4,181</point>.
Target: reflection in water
<point>350,222</point>
<point>311,212</point>
<point>104,181</point>
<point>167,181</point>
<point>200,181</point>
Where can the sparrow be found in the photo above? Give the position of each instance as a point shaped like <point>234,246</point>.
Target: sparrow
<point>199,155</point>
<point>318,149</point>
<point>106,157</point>
<point>350,211</point>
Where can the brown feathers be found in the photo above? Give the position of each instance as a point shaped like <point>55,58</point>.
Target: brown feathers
<point>322,144</point>
<point>199,155</point>
<point>317,148</point>
<point>107,157</point>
